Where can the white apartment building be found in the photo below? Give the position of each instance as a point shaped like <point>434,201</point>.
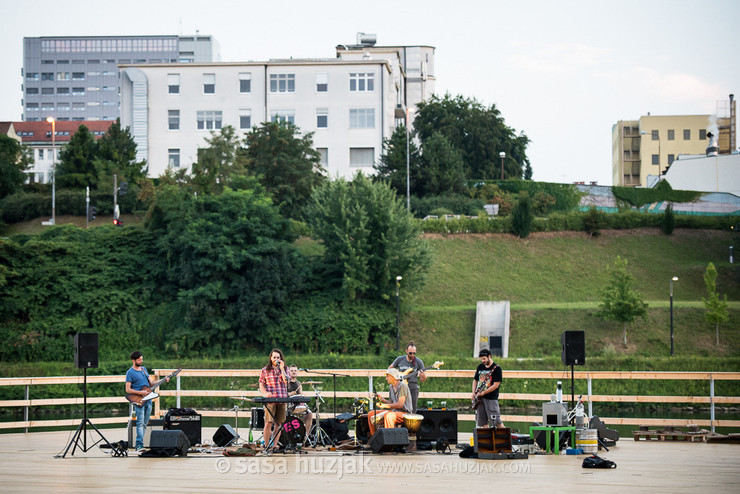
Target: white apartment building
<point>350,103</point>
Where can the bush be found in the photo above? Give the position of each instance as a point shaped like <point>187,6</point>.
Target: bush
<point>668,222</point>
<point>593,221</point>
<point>522,217</point>
<point>458,204</point>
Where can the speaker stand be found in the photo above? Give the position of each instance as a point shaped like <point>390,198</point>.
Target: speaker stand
<point>81,433</point>
<point>572,387</point>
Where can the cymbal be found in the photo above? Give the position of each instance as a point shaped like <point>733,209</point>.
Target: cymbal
<point>312,382</point>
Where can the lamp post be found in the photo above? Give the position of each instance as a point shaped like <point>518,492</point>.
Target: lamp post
<point>503,156</point>
<point>404,114</point>
<point>675,278</point>
<point>53,170</point>
<point>398,311</point>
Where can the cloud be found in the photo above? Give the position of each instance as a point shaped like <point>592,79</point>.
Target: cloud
<point>558,58</point>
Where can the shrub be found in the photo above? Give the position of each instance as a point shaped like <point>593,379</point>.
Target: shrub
<point>668,221</point>
<point>522,217</point>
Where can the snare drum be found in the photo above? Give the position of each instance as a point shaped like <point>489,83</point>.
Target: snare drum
<point>300,409</point>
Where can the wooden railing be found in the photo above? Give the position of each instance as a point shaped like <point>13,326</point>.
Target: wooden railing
<point>710,377</point>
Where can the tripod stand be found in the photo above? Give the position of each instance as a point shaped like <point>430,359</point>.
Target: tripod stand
<point>81,432</point>
<point>319,435</point>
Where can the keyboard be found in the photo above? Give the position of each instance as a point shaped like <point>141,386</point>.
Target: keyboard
<point>289,399</point>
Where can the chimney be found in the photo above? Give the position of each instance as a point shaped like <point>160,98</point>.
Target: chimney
<point>713,148</point>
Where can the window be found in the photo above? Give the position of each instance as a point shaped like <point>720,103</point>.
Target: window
<point>93,103</point>
<point>283,116</point>
<point>63,62</point>
<point>46,106</point>
<point>655,135</point>
<point>32,76</point>
<point>93,61</point>
<point>47,76</point>
<point>245,82</point>
<point>47,90</point>
<point>282,83</point>
<point>656,160</point>
<point>702,134</point>
<point>671,134</point>
<point>78,106</point>
<point>361,81</point>
<point>32,90</point>
<point>686,134</point>
<point>47,62</point>
<point>32,107</point>
<point>245,119</point>
<point>209,120</point>
<point>63,106</point>
<point>62,76</point>
<point>62,90</point>
<point>109,88</point>
<point>322,118</point>
<point>173,83</point>
<point>671,157</point>
<point>322,82</point>
<point>209,83</point>
<point>93,88</point>
<point>41,154</point>
<point>78,91</point>
<point>323,157</point>
<point>93,73</point>
<point>173,158</point>
<point>108,72</point>
<point>361,157</point>
<point>173,116</point>
<point>140,60</point>
<point>108,60</point>
<point>362,118</point>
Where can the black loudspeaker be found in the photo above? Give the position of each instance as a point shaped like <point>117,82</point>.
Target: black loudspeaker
<point>389,439</point>
<point>189,424</point>
<point>574,347</point>
<point>169,443</point>
<point>86,350</point>
<point>224,436</point>
<point>436,424</point>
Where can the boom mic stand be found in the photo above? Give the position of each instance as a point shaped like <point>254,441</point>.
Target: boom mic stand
<point>334,384</point>
<point>82,428</point>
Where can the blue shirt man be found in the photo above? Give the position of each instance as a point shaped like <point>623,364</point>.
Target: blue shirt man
<point>137,382</point>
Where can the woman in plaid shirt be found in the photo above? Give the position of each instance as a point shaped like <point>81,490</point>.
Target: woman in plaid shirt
<point>274,384</point>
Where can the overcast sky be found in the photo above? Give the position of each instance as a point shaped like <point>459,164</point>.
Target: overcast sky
<point>561,71</point>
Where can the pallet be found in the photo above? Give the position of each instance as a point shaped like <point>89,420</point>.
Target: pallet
<point>674,435</point>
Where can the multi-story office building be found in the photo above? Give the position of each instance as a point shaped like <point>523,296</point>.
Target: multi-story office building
<point>350,102</point>
<point>76,78</point>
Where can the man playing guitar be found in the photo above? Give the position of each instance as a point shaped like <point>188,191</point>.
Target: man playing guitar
<point>138,382</point>
<point>486,385</point>
<point>417,375</point>
<point>397,404</point>
<point>274,384</point>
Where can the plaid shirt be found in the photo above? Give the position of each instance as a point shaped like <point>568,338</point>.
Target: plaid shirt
<point>273,383</point>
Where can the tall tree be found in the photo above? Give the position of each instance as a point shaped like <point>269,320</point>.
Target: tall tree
<point>619,302</point>
<point>116,153</point>
<point>219,162</point>
<point>442,171</point>
<point>391,165</point>
<point>14,160</point>
<point>716,307</point>
<point>76,166</point>
<point>522,216</point>
<point>478,132</point>
<point>286,164</point>
<point>369,238</point>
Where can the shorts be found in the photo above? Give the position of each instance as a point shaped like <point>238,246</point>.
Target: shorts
<point>488,414</point>
<point>275,412</point>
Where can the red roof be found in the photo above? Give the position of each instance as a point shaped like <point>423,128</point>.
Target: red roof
<point>5,127</point>
<point>41,131</point>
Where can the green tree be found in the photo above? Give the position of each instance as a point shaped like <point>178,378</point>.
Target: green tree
<point>369,238</point>
<point>286,164</point>
<point>593,222</point>
<point>442,170</point>
<point>219,162</point>
<point>668,221</point>
<point>522,216</point>
<point>716,307</point>
<point>391,165</point>
<point>14,161</point>
<point>76,168</point>
<point>619,302</point>
<point>116,153</point>
<point>478,132</point>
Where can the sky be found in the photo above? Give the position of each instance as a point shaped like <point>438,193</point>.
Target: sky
<point>561,71</point>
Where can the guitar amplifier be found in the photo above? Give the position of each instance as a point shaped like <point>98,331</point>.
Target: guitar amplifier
<point>189,424</point>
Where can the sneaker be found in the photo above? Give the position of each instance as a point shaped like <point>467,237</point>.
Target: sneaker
<point>139,448</point>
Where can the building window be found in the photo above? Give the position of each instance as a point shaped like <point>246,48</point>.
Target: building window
<point>671,134</point>
<point>32,90</point>
<point>173,158</point>
<point>245,119</point>
<point>283,116</point>
<point>361,157</point>
<point>92,61</point>
<point>47,62</point>
<point>62,76</point>
<point>78,91</point>
<point>47,76</point>
<point>62,90</point>
<point>173,117</point>
<point>656,159</point>
<point>322,118</point>
<point>209,83</point>
<point>63,107</point>
<point>362,118</point>
<point>78,106</point>
<point>208,120</point>
<point>282,83</point>
<point>671,157</point>
<point>361,81</point>
<point>655,135</point>
<point>47,106</point>
<point>323,157</point>
<point>32,107</point>
<point>702,134</point>
<point>322,82</point>
<point>245,82</point>
<point>173,83</point>
<point>47,90</point>
<point>78,76</point>
<point>41,154</point>
<point>63,62</point>
<point>32,76</point>
<point>686,134</point>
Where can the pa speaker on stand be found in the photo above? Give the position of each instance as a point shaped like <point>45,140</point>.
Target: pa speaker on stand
<point>573,353</point>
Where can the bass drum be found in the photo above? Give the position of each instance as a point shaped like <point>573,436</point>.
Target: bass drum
<point>362,429</point>
<point>294,432</point>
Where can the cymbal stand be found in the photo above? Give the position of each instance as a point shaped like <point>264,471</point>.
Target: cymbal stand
<point>319,435</point>
<point>238,438</point>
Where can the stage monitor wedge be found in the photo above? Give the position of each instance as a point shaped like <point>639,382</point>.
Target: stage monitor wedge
<point>389,439</point>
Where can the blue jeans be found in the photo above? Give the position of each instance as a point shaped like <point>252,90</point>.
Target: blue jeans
<point>142,419</point>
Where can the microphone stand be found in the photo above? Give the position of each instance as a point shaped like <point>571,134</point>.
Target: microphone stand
<point>334,378</point>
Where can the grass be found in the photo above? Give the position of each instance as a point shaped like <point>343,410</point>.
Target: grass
<point>34,227</point>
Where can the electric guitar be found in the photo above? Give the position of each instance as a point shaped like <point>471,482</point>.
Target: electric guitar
<point>139,400</point>
<point>483,384</point>
<point>435,365</point>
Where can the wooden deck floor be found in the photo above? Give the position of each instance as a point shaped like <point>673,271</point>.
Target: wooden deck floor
<point>27,464</point>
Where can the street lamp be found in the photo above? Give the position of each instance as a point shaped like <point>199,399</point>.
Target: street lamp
<point>398,311</point>
<point>657,134</point>
<point>675,278</point>
<point>53,170</point>
<point>401,113</point>
<point>503,156</point>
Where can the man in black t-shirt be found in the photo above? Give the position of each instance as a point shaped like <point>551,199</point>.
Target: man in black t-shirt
<point>486,385</point>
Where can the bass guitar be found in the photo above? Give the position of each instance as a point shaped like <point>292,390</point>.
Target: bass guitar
<point>139,400</point>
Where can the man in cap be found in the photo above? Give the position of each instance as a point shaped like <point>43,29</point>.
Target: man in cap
<point>397,404</point>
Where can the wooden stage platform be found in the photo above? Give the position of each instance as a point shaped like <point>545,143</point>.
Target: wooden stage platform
<point>27,464</point>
